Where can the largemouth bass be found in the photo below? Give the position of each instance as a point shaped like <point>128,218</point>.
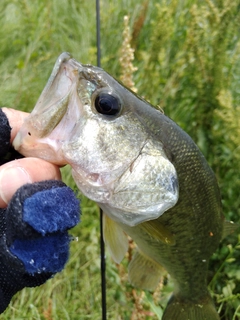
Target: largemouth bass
<point>143,170</point>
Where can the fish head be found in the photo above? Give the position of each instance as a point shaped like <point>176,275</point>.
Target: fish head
<point>87,119</point>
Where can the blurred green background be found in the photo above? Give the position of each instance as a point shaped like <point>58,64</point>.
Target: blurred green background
<point>187,55</point>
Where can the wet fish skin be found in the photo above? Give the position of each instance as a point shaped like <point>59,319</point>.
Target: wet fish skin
<point>106,152</point>
<point>196,223</point>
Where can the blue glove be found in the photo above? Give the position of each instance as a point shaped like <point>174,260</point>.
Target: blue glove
<point>34,242</point>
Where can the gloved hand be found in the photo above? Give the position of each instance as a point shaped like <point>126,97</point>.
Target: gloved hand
<point>7,153</point>
<point>34,242</point>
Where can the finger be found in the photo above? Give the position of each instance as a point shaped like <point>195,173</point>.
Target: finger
<point>15,119</point>
<point>27,170</point>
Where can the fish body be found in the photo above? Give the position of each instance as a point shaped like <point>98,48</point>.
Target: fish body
<point>143,170</point>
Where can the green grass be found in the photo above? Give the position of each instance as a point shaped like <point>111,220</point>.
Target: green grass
<point>188,59</point>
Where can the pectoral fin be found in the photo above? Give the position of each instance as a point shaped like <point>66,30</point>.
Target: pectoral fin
<point>158,231</point>
<point>115,239</point>
<point>144,273</point>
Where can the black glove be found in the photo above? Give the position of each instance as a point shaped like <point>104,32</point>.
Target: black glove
<point>7,152</point>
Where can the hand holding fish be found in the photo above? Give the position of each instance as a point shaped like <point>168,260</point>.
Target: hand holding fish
<point>34,219</point>
<point>16,173</point>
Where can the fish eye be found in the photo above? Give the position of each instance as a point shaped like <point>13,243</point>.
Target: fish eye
<point>107,104</point>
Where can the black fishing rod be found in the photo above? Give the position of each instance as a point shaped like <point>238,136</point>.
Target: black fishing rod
<point>102,247</point>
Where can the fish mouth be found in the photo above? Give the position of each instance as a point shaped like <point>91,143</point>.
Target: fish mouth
<point>53,103</point>
<point>50,108</point>
<point>58,108</point>
<point>68,89</point>
<point>69,78</point>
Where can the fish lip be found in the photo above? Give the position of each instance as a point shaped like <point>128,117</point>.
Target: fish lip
<point>64,57</point>
<point>52,104</point>
<point>68,65</point>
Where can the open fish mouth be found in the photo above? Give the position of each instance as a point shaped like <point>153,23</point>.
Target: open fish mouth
<point>57,111</point>
<point>53,103</point>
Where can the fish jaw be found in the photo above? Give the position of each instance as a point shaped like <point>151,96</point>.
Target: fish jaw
<point>51,121</point>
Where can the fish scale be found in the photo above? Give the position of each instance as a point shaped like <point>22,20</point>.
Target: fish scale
<point>188,259</point>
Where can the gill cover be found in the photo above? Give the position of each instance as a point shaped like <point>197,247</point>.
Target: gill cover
<point>146,190</point>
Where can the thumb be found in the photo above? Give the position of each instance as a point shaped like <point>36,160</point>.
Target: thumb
<point>16,173</point>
